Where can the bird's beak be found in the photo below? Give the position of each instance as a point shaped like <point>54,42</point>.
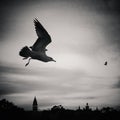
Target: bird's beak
<point>54,60</point>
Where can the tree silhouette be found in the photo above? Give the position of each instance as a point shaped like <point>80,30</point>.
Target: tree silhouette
<point>10,111</point>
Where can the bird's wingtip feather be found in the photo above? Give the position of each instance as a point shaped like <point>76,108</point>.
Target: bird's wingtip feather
<point>35,20</point>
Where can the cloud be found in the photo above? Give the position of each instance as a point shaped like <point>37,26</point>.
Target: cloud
<point>53,86</point>
<point>117,84</point>
<point>79,73</point>
<point>112,30</point>
<point>22,80</point>
<point>114,4</point>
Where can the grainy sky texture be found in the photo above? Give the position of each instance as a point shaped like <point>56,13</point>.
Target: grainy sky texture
<point>85,33</point>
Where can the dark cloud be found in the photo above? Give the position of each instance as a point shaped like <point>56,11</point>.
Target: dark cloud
<point>6,88</point>
<point>11,87</point>
<point>83,98</point>
<point>111,30</point>
<point>22,80</point>
<point>114,4</point>
<point>117,85</point>
<point>9,10</point>
<point>4,69</point>
<point>43,71</point>
<point>112,23</point>
<point>16,79</point>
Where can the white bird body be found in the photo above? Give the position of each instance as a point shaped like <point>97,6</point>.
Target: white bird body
<point>40,56</point>
<point>38,50</point>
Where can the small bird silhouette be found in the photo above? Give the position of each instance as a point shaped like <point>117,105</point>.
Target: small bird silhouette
<point>38,50</point>
<point>105,63</point>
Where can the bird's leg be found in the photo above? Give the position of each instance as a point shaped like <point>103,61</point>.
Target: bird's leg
<point>28,62</point>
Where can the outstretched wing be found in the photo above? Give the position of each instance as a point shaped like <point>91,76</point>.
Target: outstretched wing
<point>43,37</point>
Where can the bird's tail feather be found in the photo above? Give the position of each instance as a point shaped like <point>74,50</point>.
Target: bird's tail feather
<point>25,52</point>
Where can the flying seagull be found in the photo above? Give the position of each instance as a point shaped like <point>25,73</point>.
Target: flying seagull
<point>38,50</point>
<point>105,63</point>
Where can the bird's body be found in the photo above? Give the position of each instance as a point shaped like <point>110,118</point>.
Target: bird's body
<point>105,63</point>
<point>40,56</point>
<point>38,50</point>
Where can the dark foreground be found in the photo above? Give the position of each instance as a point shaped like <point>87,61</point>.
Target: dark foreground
<point>60,115</point>
<point>8,111</point>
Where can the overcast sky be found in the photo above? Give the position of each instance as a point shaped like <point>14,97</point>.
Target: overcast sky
<point>85,33</point>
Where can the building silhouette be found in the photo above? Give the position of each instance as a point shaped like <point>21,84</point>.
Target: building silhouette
<point>35,105</point>
<point>87,106</point>
<point>9,111</point>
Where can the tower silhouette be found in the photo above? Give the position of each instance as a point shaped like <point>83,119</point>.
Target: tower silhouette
<point>87,107</point>
<point>35,105</point>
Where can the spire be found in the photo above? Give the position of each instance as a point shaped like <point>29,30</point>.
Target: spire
<point>35,101</point>
<point>35,105</point>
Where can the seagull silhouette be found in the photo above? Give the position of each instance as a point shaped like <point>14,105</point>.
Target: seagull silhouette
<point>105,63</point>
<point>38,50</point>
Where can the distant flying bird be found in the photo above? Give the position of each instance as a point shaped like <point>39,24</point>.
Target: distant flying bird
<point>105,63</point>
<point>38,50</point>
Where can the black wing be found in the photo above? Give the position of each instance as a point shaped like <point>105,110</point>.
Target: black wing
<point>43,37</point>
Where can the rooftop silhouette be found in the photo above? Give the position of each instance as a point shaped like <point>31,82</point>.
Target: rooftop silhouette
<point>10,111</point>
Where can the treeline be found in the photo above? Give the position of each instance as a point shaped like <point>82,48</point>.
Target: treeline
<point>9,111</point>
